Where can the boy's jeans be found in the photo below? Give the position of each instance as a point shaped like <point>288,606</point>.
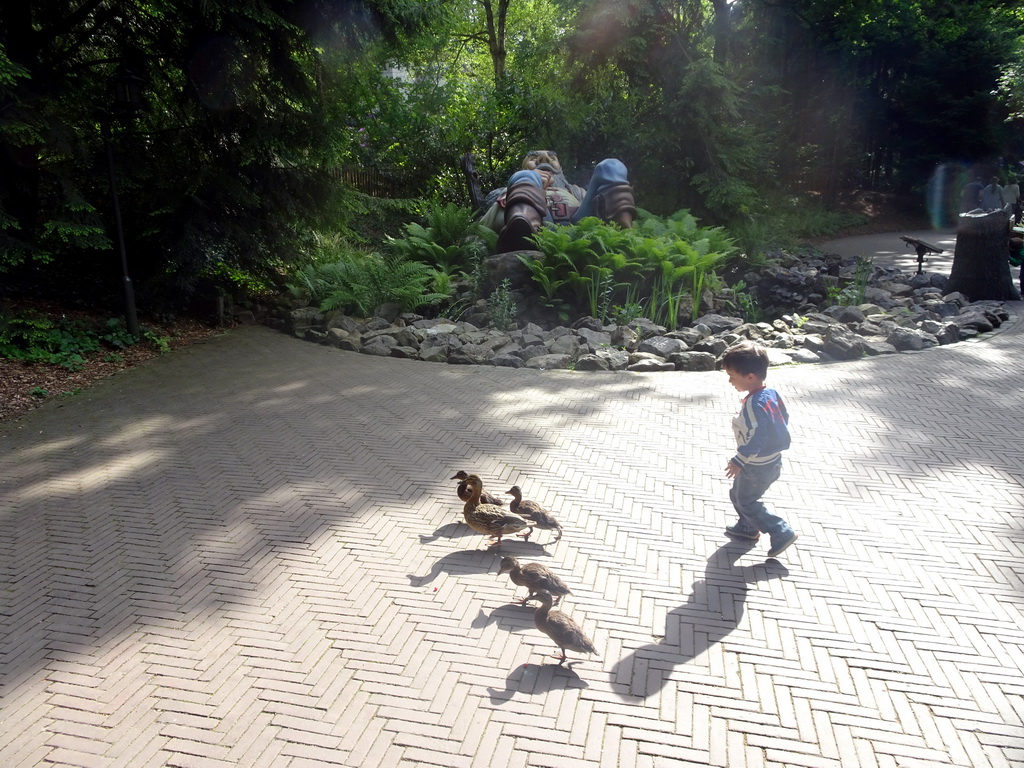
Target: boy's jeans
<point>747,489</point>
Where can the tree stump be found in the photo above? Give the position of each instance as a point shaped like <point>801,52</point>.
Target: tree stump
<point>981,266</point>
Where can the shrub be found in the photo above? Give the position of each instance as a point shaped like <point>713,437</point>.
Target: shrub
<point>359,283</point>
<point>592,266</point>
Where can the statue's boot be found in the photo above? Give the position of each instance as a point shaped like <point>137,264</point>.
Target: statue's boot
<point>616,204</point>
<point>525,208</point>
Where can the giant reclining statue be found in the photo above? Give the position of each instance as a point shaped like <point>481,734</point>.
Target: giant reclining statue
<point>540,193</point>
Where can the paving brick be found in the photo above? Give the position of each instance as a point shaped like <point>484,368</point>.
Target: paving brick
<point>229,586</point>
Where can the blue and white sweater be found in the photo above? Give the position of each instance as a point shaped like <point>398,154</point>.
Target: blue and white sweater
<point>760,427</point>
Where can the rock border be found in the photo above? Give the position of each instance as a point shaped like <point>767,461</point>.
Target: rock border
<point>899,314</point>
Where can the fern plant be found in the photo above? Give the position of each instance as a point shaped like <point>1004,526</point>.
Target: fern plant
<point>364,283</point>
<point>451,242</point>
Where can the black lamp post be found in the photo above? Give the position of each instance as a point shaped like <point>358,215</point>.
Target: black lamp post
<point>127,103</point>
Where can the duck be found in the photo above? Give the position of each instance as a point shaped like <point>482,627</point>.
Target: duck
<point>539,516</point>
<point>567,634</point>
<point>534,577</point>
<point>489,519</point>
<point>463,491</point>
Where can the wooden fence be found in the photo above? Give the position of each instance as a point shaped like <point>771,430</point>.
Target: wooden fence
<point>394,183</point>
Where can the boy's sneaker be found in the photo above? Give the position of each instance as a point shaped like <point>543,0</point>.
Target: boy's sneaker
<point>781,544</point>
<point>741,530</point>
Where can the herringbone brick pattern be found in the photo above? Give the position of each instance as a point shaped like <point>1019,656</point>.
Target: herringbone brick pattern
<point>249,554</point>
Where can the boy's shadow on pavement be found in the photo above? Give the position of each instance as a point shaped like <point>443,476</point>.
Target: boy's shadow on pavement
<point>712,611</point>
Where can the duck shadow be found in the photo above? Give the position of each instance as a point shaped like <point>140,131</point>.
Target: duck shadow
<point>452,530</point>
<point>533,679</point>
<point>712,611</point>
<point>509,545</point>
<point>464,561</point>
<point>512,616</point>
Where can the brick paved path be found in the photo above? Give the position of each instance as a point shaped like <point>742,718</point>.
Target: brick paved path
<point>249,554</point>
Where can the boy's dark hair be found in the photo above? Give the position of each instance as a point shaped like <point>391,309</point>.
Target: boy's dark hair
<point>744,358</point>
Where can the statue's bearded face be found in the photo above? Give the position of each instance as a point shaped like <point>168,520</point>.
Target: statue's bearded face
<point>538,156</point>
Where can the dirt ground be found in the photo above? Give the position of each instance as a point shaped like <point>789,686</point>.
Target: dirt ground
<point>25,386</point>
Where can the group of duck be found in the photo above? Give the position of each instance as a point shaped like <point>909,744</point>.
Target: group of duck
<point>485,514</point>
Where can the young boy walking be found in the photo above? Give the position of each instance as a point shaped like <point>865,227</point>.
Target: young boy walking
<point>762,435</point>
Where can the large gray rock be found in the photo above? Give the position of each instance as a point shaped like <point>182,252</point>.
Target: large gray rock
<point>814,342</point>
<point>617,359</point>
<point>509,266</point>
<point>337,335</point>
<point>342,321</point>
<point>845,314</point>
<point>375,324</point>
<point>778,357</point>
<point>592,362</point>
<point>805,356</point>
<point>463,357</point>
<point>689,336</point>
<point>720,323</point>
<point>481,352</point>
<point>712,346</point>
<point>751,331</point>
<point>379,345</point>
<point>625,337</point>
<point>507,360</point>
<point>645,328</point>
<point>298,320</point>
<point>650,366</point>
<point>909,340</point>
<point>389,311</point>
<point>843,344</point>
<point>973,320</point>
<point>693,361</point>
<point>529,353</point>
<point>957,298</point>
<point>877,345</point>
<point>594,340</point>
<point>662,346</point>
<point>550,362</point>
<point>566,344</point>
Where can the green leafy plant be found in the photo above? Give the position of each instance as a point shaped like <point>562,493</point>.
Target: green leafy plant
<point>501,307</point>
<point>117,334</point>
<point>361,283</point>
<point>624,314</point>
<point>35,338</point>
<point>451,242</point>
<point>39,392</point>
<point>746,304</point>
<point>593,266</point>
<point>852,293</point>
<point>161,343</point>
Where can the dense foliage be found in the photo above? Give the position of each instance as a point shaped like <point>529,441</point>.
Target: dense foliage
<point>259,119</point>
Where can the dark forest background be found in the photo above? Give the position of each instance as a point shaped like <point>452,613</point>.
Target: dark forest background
<point>262,125</point>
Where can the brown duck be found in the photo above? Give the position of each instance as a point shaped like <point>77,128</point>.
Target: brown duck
<point>534,577</point>
<point>464,494</point>
<point>538,516</point>
<point>567,634</point>
<point>489,519</point>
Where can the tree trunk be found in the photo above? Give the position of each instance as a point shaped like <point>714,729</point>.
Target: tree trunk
<point>981,267</point>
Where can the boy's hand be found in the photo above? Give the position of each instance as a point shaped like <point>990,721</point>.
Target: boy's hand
<point>732,469</point>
